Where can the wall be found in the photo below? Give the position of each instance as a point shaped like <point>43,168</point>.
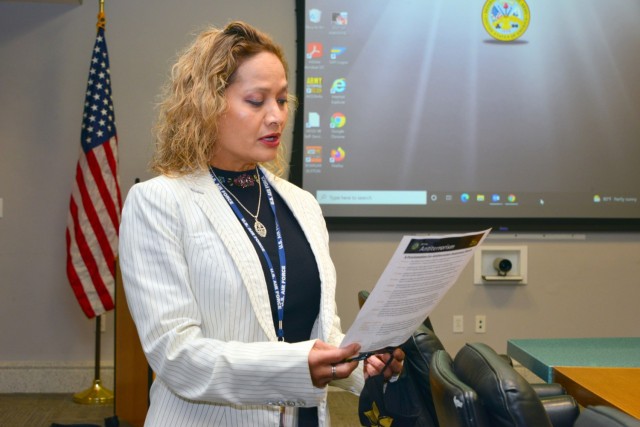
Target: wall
<point>45,51</point>
<point>576,287</point>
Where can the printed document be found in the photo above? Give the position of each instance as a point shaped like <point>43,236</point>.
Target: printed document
<point>421,271</point>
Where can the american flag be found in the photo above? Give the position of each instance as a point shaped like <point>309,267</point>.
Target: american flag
<point>95,206</point>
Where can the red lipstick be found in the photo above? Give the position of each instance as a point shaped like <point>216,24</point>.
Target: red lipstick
<point>271,140</point>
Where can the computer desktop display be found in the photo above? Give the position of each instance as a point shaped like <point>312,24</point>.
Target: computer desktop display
<point>503,110</point>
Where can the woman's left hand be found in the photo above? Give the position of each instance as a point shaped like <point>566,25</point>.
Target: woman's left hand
<point>375,364</point>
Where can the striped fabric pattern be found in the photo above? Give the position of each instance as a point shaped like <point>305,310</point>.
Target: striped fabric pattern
<point>198,296</point>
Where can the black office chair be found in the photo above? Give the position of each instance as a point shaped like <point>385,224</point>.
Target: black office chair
<point>362,297</point>
<point>456,404</point>
<point>419,350</point>
<point>509,400</point>
<point>605,416</point>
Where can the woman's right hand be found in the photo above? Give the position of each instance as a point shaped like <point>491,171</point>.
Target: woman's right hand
<point>326,362</point>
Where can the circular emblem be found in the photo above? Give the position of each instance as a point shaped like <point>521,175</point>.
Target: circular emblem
<point>505,20</point>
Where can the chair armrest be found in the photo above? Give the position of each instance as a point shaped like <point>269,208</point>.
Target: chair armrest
<point>562,410</point>
<point>605,416</point>
<point>507,359</point>
<point>548,390</point>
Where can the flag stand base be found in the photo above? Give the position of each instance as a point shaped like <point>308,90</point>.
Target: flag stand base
<point>95,395</point>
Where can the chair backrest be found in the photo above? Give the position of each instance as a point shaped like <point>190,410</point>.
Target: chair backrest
<point>418,350</point>
<point>508,399</point>
<point>362,297</point>
<point>456,404</point>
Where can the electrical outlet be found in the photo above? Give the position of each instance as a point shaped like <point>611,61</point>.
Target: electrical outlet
<point>458,323</point>
<point>481,324</point>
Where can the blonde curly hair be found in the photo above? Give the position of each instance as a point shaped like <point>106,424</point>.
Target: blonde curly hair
<point>194,97</point>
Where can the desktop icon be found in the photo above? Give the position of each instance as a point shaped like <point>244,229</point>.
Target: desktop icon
<point>313,120</point>
<point>340,18</point>
<point>511,198</point>
<point>314,85</point>
<point>315,15</point>
<point>464,197</point>
<point>313,154</point>
<point>479,197</point>
<point>336,51</point>
<point>495,198</point>
<point>314,50</point>
<point>337,155</point>
<point>338,86</point>
<point>597,198</point>
<point>338,120</point>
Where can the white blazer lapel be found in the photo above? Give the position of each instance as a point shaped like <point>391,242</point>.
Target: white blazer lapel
<point>235,239</point>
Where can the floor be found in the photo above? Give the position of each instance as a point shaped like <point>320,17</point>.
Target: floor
<point>41,410</point>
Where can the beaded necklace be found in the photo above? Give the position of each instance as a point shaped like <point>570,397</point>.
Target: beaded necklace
<point>245,181</point>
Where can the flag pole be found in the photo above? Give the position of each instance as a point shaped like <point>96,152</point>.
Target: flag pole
<point>96,394</point>
<point>101,17</point>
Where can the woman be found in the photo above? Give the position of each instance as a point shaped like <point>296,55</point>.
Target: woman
<point>226,266</point>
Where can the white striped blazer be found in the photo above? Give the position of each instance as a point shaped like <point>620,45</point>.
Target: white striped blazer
<point>198,296</point>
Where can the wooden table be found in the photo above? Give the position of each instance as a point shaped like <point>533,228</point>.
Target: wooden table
<point>617,387</point>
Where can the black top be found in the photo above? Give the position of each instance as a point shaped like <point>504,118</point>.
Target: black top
<point>302,298</point>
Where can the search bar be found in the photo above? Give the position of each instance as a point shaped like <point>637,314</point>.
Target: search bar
<point>351,197</point>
